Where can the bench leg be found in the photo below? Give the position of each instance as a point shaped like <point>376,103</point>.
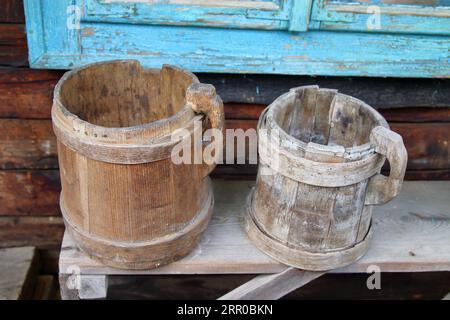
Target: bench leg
<point>80,287</point>
<point>273,286</point>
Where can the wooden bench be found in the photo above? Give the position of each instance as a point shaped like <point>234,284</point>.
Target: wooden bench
<point>411,234</point>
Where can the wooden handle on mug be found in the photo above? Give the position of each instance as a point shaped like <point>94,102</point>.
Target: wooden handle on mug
<point>382,189</point>
<point>202,98</point>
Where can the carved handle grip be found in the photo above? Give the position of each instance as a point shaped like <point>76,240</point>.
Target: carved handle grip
<point>382,189</point>
<point>202,98</point>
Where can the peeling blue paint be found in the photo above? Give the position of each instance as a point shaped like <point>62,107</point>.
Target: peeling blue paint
<point>230,40</point>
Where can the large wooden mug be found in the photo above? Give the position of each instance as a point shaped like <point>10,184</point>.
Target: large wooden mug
<point>123,199</point>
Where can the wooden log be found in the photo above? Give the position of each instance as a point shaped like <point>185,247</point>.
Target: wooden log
<point>428,144</point>
<point>18,273</point>
<point>27,144</point>
<point>249,171</point>
<point>30,144</point>
<point>264,89</point>
<point>377,92</point>
<point>44,233</point>
<point>252,111</point>
<point>416,115</point>
<point>414,175</point>
<point>13,45</point>
<point>29,192</point>
<point>123,198</point>
<point>27,93</point>
<point>12,11</point>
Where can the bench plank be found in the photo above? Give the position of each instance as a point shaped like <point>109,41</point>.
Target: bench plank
<point>411,233</point>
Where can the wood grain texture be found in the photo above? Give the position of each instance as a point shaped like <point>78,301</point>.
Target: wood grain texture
<point>27,144</point>
<point>428,144</point>
<point>311,207</point>
<point>18,273</point>
<point>123,198</point>
<point>416,17</point>
<point>44,233</point>
<point>12,11</point>
<point>379,93</point>
<point>13,45</point>
<point>29,193</point>
<point>272,287</point>
<point>411,233</point>
<point>30,144</point>
<point>252,111</point>
<point>27,93</point>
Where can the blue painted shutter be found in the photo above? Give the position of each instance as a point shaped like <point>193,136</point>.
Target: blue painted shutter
<point>380,16</point>
<point>240,14</point>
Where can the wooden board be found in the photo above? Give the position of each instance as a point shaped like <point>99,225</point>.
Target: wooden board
<point>272,286</point>
<point>412,233</point>
<point>27,144</point>
<point>18,272</point>
<point>28,93</point>
<point>42,232</point>
<point>13,45</point>
<point>379,93</point>
<point>29,192</point>
<point>428,144</point>
<point>183,34</point>
<point>252,111</point>
<point>248,172</point>
<point>12,11</point>
<point>31,144</point>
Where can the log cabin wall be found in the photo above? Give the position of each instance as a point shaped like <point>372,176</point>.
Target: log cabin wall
<point>29,178</point>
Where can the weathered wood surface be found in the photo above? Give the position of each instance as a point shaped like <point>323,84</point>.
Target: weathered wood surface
<point>27,144</point>
<point>411,233</point>
<point>12,11</point>
<point>18,273</point>
<point>379,93</point>
<point>13,45</point>
<point>249,171</point>
<point>427,143</point>
<point>272,287</point>
<point>271,51</point>
<point>252,111</point>
<point>29,192</point>
<point>316,185</point>
<point>123,198</point>
<point>44,233</point>
<point>27,93</point>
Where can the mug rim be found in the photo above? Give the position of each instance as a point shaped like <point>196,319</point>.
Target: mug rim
<point>65,118</point>
<point>351,153</point>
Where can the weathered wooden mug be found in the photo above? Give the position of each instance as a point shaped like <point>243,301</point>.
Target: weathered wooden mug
<point>123,200</point>
<point>320,156</point>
